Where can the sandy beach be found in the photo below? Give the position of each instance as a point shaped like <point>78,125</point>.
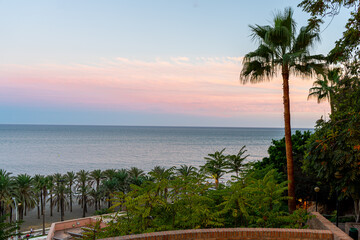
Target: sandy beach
<point>31,219</point>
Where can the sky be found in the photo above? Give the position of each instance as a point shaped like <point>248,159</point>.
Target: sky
<point>148,63</point>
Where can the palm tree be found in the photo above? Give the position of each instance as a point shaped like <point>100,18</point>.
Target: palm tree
<point>6,190</point>
<point>51,186</point>
<point>108,187</point>
<point>135,172</point>
<point>83,188</point>
<point>122,178</point>
<point>324,89</point>
<point>24,193</point>
<point>109,173</point>
<point>96,176</point>
<point>136,176</point>
<point>281,50</point>
<point>70,179</point>
<point>235,162</point>
<point>38,193</point>
<point>186,171</point>
<point>162,176</point>
<point>58,178</point>
<point>42,185</point>
<point>215,166</point>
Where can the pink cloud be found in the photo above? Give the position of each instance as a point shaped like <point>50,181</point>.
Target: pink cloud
<point>198,86</point>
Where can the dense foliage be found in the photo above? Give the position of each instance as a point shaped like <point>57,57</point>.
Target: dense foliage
<point>334,148</point>
<point>277,160</point>
<point>346,48</point>
<point>189,202</point>
<point>162,199</point>
<point>7,229</point>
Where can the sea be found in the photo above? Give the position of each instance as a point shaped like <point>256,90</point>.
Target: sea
<point>49,149</point>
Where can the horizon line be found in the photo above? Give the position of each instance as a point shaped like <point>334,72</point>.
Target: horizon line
<point>113,125</point>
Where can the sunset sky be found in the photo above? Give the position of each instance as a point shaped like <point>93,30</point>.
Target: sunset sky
<point>142,62</point>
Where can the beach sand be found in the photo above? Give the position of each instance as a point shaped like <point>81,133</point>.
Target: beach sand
<point>32,221</point>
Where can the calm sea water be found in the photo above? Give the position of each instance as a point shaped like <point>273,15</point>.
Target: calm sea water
<point>43,149</point>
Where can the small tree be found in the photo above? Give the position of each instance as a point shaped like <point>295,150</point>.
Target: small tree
<point>93,231</point>
<point>215,166</point>
<point>235,162</point>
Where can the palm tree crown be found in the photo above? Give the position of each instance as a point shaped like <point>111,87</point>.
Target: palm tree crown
<point>235,162</point>
<point>280,49</point>
<point>324,89</point>
<point>215,166</point>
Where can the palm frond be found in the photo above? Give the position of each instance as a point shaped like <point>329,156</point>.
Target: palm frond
<point>263,53</point>
<point>256,71</point>
<point>305,39</point>
<point>259,32</point>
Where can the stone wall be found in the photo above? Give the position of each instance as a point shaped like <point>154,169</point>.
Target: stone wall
<point>320,228</point>
<point>233,234</point>
<point>320,222</point>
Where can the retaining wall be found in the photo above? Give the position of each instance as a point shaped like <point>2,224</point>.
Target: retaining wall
<point>320,222</point>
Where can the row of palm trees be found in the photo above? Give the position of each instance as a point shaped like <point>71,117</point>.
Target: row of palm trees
<point>58,192</point>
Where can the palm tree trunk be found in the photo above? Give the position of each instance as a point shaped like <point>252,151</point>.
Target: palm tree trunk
<point>288,143</point>
<point>70,199</point>
<point>84,206</point>
<point>42,205</point>
<point>331,103</point>
<point>51,204</point>
<point>38,208</point>
<point>41,198</point>
<point>216,183</point>
<point>21,210</point>
<point>43,210</point>
<point>58,203</point>
<point>11,214</point>
<point>62,206</point>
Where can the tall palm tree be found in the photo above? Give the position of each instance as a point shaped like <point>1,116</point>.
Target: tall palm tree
<point>38,193</point>
<point>70,179</point>
<point>51,187</point>
<point>58,178</point>
<point>96,176</point>
<point>6,190</point>
<point>42,185</point>
<point>324,89</point>
<point>83,188</point>
<point>280,49</point>
<point>235,162</point>
<point>108,187</point>
<point>24,193</point>
<point>215,166</point>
